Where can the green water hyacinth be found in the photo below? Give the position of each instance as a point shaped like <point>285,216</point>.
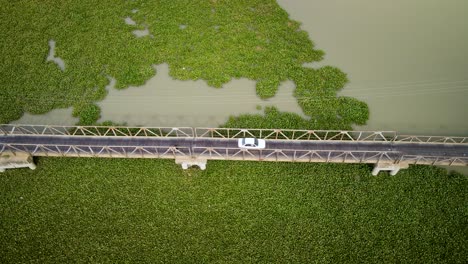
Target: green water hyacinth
<point>215,41</point>
<point>150,210</point>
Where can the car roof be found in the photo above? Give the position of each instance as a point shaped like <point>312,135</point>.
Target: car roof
<point>250,140</point>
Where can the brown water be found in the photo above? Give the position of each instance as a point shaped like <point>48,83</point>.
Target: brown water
<point>51,57</point>
<point>408,60</point>
<point>163,101</point>
<point>62,116</point>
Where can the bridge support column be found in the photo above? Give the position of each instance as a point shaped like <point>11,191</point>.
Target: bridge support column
<point>187,162</point>
<point>393,168</point>
<point>10,160</point>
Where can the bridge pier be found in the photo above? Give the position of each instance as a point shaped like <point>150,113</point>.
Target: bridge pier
<point>10,160</point>
<point>393,168</point>
<point>187,162</point>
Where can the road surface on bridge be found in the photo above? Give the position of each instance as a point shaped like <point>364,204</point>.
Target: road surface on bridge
<point>420,149</point>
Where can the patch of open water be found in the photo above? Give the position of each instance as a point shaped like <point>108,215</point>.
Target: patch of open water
<point>51,57</point>
<point>406,59</point>
<point>163,101</point>
<point>62,116</point>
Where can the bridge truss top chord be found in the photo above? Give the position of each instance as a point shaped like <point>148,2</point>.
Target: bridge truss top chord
<point>225,133</point>
<point>290,134</point>
<point>96,131</point>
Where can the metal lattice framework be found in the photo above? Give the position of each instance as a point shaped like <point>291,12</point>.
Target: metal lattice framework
<point>226,133</point>
<point>433,160</point>
<point>100,131</point>
<point>230,154</point>
<point>291,134</point>
<point>431,139</point>
<point>97,151</point>
<point>333,156</point>
<point>155,147</point>
<point>297,155</point>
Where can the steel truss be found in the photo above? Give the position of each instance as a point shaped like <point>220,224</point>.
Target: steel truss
<point>277,134</point>
<point>224,153</point>
<point>332,156</point>
<point>96,131</point>
<point>291,134</point>
<point>97,151</point>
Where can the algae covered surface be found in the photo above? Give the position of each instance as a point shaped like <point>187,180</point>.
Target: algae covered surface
<point>214,41</point>
<point>144,210</point>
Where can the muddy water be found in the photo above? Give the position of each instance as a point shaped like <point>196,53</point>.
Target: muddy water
<point>51,57</point>
<point>163,101</point>
<point>55,117</point>
<point>408,60</point>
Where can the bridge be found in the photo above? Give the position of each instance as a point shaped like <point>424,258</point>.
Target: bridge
<point>194,146</point>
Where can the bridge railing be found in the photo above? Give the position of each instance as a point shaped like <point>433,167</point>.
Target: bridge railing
<point>334,156</point>
<point>97,151</point>
<point>431,139</point>
<point>224,133</point>
<point>298,155</point>
<point>291,134</point>
<point>99,131</point>
<point>293,155</point>
<point>433,160</point>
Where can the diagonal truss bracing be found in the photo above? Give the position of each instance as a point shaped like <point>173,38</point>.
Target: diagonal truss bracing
<point>96,131</point>
<point>328,135</point>
<point>290,134</point>
<point>97,151</point>
<point>189,132</point>
<point>221,143</point>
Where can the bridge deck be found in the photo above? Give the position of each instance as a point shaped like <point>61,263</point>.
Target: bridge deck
<point>226,148</point>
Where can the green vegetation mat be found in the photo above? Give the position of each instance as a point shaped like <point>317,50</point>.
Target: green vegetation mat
<point>115,210</point>
<point>211,40</point>
<point>122,210</point>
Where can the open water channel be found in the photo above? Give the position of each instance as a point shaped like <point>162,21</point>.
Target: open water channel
<point>408,60</point>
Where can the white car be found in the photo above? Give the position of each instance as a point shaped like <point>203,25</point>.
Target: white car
<point>251,143</point>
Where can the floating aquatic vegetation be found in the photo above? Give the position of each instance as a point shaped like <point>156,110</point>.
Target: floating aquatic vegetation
<point>215,41</point>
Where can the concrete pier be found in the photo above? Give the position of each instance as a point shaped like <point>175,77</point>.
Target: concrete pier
<point>187,162</point>
<point>10,160</point>
<point>393,168</point>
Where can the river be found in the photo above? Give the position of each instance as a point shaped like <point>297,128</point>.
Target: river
<point>407,59</point>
